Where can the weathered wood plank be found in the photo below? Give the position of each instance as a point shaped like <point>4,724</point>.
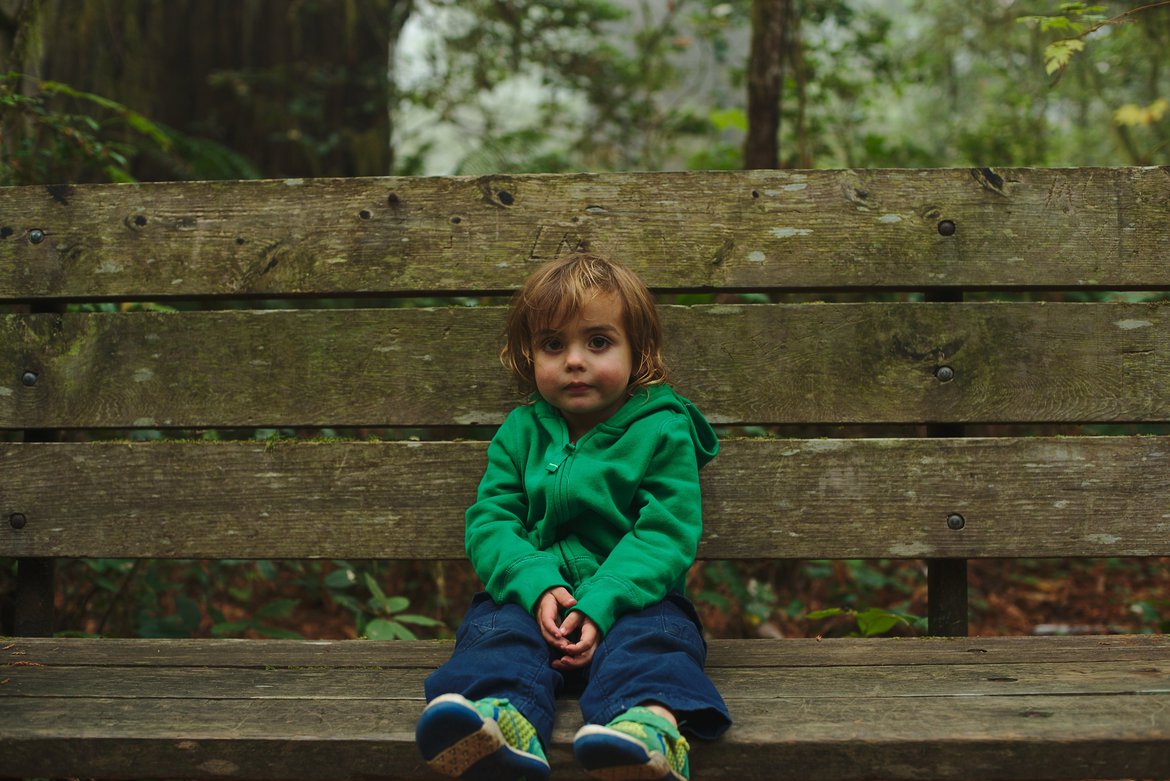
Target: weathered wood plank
<point>1140,650</point>
<point>787,363</point>
<point>1027,737</point>
<point>740,683</point>
<point>745,230</point>
<point>849,498</point>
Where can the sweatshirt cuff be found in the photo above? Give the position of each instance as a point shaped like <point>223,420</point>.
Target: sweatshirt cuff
<point>526,580</point>
<point>600,608</point>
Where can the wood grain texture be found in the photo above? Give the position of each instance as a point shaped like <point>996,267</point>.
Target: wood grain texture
<point>747,230</point>
<point>739,683</point>
<point>1010,708</point>
<point>762,364</point>
<point>849,498</point>
<point>1145,651</point>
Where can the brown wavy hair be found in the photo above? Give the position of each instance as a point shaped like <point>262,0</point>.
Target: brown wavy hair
<point>558,290</point>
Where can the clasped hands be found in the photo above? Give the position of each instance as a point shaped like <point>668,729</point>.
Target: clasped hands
<point>558,633</point>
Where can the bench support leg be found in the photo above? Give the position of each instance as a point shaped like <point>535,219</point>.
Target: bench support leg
<point>34,598</point>
<point>946,587</point>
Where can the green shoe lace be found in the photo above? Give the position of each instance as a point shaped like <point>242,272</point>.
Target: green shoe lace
<point>658,736</point>
<point>517,730</point>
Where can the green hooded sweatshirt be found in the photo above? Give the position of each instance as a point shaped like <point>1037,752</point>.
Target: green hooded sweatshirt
<point>614,517</point>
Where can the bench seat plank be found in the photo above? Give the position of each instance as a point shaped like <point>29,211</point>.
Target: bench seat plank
<point>869,363</point>
<point>740,683</point>
<point>780,498</point>
<point>724,653</point>
<point>837,708</point>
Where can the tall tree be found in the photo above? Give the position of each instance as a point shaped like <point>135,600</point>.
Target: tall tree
<point>765,83</point>
<point>21,41</point>
<point>776,54</point>
<point>267,87</point>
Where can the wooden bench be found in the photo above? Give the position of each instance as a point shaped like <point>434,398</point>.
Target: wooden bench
<point>918,327</point>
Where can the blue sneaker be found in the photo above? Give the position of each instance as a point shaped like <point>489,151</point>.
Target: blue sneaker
<point>639,744</point>
<point>485,740</point>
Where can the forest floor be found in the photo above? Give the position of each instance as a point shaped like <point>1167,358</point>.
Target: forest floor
<point>338,600</point>
<point>773,599</point>
<point>1006,597</point>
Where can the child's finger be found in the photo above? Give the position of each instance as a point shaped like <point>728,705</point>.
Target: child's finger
<point>547,615</point>
<point>576,649</point>
<point>575,661</point>
<point>571,624</point>
<point>564,597</point>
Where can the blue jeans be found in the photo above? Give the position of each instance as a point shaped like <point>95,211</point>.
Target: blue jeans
<point>655,655</point>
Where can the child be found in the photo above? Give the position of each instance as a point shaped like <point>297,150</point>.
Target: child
<point>587,519</point>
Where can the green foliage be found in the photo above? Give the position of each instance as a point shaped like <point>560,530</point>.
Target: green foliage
<point>728,589</point>
<point>378,616</point>
<point>156,598</point>
<point>44,141</point>
<point>227,598</point>
<point>571,85</point>
<point>871,621</point>
<point>1075,21</point>
<point>55,132</point>
<point>1154,615</point>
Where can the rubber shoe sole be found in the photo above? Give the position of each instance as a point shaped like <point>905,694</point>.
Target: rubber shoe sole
<point>457,741</point>
<point>609,755</point>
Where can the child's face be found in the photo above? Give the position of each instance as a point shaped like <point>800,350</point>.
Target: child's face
<point>583,364</point>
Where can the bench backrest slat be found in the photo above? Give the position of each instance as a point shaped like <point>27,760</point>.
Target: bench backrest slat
<point>863,498</point>
<point>1012,228</point>
<point>756,364</point>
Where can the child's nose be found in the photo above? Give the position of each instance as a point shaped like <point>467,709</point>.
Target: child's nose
<point>575,356</point>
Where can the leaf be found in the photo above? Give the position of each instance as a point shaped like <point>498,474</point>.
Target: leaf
<point>148,128</point>
<point>57,87</point>
<point>831,612</point>
<point>1046,23</point>
<point>876,621</point>
<point>384,629</point>
<point>374,588</point>
<point>417,620</point>
<point>340,578</point>
<point>228,628</point>
<point>349,603</point>
<point>729,119</point>
<point>1133,115</point>
<point>1058,53</point>
<point>390,604</point>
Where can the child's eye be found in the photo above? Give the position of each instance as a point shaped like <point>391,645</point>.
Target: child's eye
<point>599,343</point>
<point>551,345</point>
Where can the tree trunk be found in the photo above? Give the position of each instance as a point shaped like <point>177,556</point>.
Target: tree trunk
<point>21,38</point>
<point>399,13</point>
<point>765,80</point>
<point>21,51</point>
<point>295,88</point>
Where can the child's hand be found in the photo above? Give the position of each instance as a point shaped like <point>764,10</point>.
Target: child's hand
<point>548,614</point>
<point>580,653</point>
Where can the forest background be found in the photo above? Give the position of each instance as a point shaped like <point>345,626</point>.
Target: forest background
<point>146,90</point>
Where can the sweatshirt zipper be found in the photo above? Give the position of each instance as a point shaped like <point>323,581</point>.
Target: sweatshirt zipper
<point>560,476</point>
<point>568,450</point>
